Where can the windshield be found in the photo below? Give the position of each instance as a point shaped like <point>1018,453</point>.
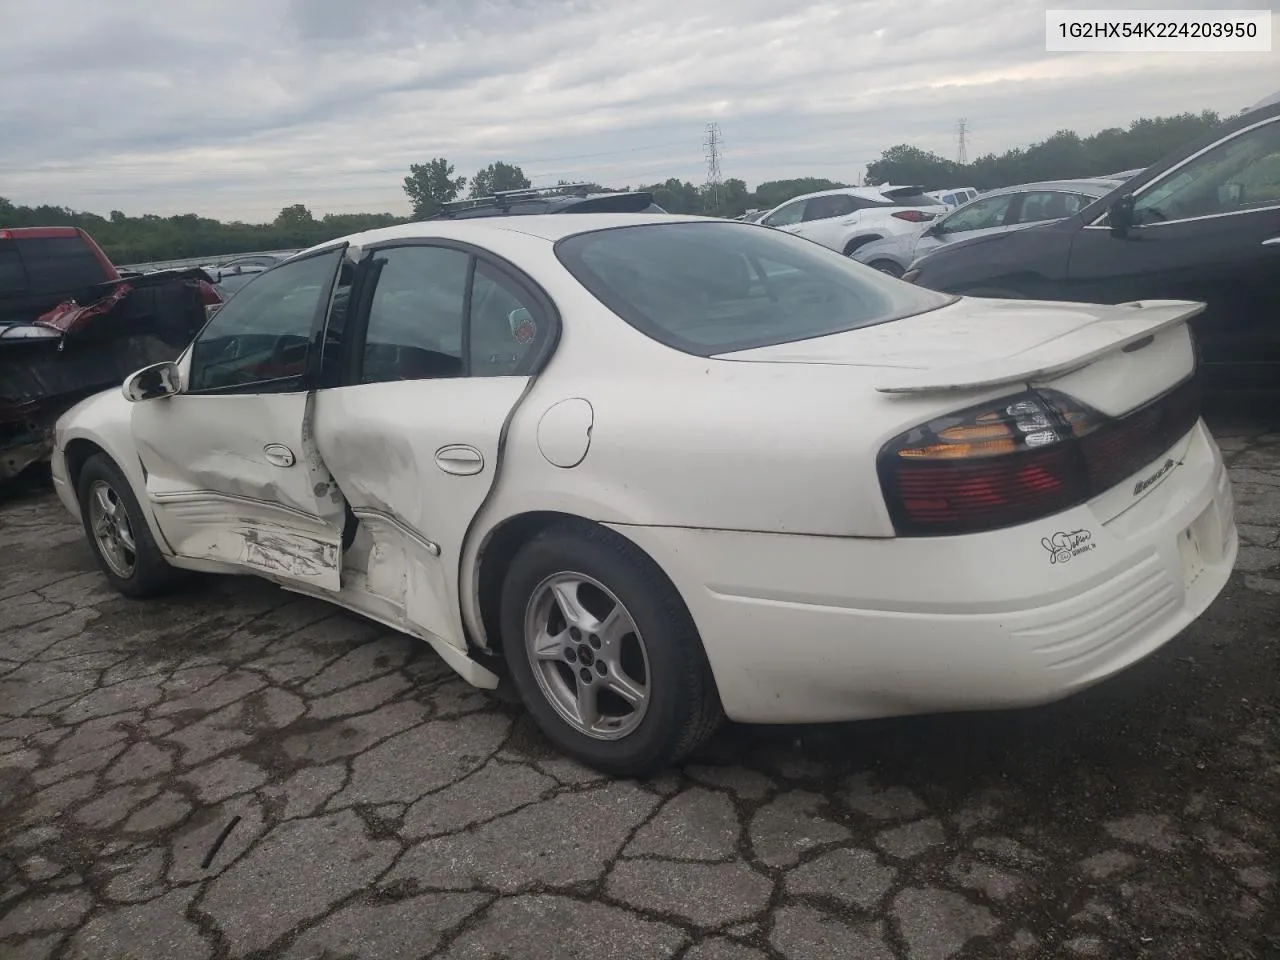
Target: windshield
<point>711,288</point>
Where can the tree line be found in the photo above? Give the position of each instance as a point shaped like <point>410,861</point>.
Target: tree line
<point>432,184</point>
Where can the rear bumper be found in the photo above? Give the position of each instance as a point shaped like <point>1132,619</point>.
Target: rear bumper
<point>810,629</point>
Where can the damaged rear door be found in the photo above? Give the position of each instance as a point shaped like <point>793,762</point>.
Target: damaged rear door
<point>233,473</point>
<point>440,348</point>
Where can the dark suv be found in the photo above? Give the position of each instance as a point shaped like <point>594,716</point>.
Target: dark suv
<point>556,199</point>
<point>1202,224</point>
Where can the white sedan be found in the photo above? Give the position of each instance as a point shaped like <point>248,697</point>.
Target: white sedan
<point>674,468</point>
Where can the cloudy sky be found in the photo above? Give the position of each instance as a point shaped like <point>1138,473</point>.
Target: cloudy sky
<point>236,108</point>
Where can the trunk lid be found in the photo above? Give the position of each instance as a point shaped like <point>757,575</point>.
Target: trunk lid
<point>1111,357</point>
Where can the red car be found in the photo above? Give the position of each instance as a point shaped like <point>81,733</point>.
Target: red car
<point>71,326</point>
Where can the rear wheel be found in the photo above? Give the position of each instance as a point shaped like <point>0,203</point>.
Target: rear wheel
<point>118,532</point>
<point>604,652</point>
<point>887,266</point>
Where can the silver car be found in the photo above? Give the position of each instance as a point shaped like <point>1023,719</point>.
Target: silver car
<point>1009,208</point>
<point>230,276</point>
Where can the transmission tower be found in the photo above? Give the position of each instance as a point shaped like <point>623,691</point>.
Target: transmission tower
<point>713,143</point>
<point>962,149</point>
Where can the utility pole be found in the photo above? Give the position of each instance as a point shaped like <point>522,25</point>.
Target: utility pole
<point>713,144</point>
<point>962,148</point>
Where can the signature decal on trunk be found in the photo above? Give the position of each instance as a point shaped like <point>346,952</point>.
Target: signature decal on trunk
<point>1148,483</point>
<point>1063,545</point>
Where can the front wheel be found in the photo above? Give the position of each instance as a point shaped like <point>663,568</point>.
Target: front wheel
<point>118,532</point>
<point>604,652</point>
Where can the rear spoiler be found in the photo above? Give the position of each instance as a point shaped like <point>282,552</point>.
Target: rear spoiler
<point>614,203</point>
<point>895,193</point>
<point>1072,350</point>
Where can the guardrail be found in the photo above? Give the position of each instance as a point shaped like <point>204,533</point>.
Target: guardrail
<point>212,260</point>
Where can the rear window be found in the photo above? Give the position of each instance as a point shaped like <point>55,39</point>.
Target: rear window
<point>711,288</point>
<point>59,264</point>
<point>13,279</point>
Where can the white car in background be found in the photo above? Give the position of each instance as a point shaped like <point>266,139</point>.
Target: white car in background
<point>1009,209</point>
<point>674,467</point>
<point>846,218</point>
<point>955,196</point>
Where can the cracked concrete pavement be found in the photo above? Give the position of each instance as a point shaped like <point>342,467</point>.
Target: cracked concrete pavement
<point>239,772</point>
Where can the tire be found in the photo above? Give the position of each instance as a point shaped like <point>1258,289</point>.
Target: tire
<point>599,570</point>
<point>149,573</point>
<point>887,266</point>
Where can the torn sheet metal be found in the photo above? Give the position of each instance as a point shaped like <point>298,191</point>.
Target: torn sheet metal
<point>290,554</point>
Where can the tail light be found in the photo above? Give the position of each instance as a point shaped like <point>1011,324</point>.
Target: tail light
<point>914,216</point>
<point>1025,457</point>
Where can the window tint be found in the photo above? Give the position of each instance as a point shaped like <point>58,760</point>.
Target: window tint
<point>823,208</point>
<point>505,325</point>
<point>787,215</point>
<point>263,333</point>
<point>333,352</point>
<point>13,279</point>
<point>1240,174</point>
<point>416,317</point>
<point>710,288</point>
<point>59,264</point>
<point>1050,205</point>
<point>978,215</point>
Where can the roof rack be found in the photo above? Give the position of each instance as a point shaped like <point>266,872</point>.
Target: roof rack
<point>504,198</point>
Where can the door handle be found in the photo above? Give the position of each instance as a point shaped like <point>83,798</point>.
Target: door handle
<point>1273,242</point>
<point>278,454</point>
<point>459,459</point>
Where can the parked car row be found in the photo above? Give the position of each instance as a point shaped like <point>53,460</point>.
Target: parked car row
<point>993,212</point>
<point>1202,224</point>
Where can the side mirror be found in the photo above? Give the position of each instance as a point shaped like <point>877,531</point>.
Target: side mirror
<point>153,382</point>
<point>1121,216</point>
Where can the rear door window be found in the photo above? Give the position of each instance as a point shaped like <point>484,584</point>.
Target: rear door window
<point>1041,205</point>
<point>978,215</point>
<point>824,208</point>
<point>787,215</point>
<point>59,264</point>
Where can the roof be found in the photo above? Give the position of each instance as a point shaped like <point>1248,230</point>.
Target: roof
<point>866,193</point>
<point>37,233</point>
<point>1100,184</point>
<point>537,200</point>
<point>1270,101</point>
<point>546,226</point>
